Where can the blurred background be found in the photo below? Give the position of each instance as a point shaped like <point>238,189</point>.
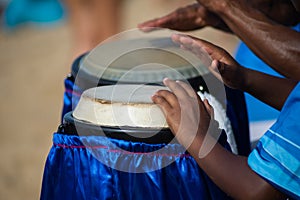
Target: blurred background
<point>37,46</point>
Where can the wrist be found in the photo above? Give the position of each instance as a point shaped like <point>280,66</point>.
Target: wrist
<point>226,8</point>
<point>205,141</point>
<point>220,7</point>
<point>212,6</point>
<point>245,78</point>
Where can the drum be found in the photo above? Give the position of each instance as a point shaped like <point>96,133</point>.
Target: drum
<point>101,159</point>
<point>105,66</point>
<point>86,157</point>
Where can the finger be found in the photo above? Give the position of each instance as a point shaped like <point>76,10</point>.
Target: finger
<point>199,45</point>
<point>188,43</point>
<point>149,25</point>
<point>175,88</point>
<point>214,65</point>
<point>198,51</point>
<point>205,45</point>
<point>162,103</point>
<point>189,90</point>
<point>168,96</point>
<point>154,24</point>
<point>218,66</point>
<point>189,47</point>
<point>209,108</point>
<point>214,69</point>
<point>148,29</point>
<point>181,39</point>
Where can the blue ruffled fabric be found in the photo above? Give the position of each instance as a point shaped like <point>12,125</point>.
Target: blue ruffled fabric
<point>71,96</point>
<point>94,167</point>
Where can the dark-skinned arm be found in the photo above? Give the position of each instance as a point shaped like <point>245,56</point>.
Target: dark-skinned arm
<point>281,11</point>
<point>188,18</point>
<point>269,89</point>
<point>230,172</point>
<point>276,44</point>
<point>196,16</point>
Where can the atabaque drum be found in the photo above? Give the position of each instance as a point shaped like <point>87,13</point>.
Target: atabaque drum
<point>119,160</point>
<point>144,59</point>
<point>116,144</point>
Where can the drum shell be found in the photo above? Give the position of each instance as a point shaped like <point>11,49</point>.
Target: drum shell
<point>72,126</point>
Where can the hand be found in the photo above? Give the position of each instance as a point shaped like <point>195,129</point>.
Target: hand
<point>223,66</point>
<point>188,18</point>
<point>214,5</point>
<point>179,105</point>
<point>187,116</point>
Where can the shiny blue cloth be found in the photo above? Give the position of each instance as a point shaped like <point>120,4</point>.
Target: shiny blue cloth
<point>71,96</point>
<point>85,168</point>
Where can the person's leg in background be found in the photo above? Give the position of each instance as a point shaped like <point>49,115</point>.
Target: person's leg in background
<point>92,21</point>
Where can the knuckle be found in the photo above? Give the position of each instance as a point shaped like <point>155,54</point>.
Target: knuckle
<point>163,93</point>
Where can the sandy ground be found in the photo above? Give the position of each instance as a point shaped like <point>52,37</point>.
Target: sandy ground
<point>34,62</point>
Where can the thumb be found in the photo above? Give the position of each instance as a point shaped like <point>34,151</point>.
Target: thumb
<point>209,108</point>
<point>214,69</point>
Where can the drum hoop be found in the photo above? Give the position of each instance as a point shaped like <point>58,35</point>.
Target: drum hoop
<point>73,126</point>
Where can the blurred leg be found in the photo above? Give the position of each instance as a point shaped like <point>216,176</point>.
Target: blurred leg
<point>92,21</point>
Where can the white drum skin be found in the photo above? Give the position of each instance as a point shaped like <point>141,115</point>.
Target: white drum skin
<point>121,105</point>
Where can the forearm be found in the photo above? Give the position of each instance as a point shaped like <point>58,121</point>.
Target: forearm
<point>223,27</point>
<point>277,45</point>
<point>232,173</point>
<point>268,89</point>
<point>281,11</point>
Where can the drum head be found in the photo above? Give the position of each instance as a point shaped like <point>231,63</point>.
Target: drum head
<point>140,58</point>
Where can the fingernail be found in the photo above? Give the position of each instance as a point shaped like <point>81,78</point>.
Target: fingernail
<point>186,39</point>
<point>175,36</point>
<point>166,81</point>
<point>214,64</point>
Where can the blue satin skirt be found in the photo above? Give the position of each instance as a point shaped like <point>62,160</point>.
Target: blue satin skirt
<point>95,167</point>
